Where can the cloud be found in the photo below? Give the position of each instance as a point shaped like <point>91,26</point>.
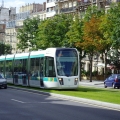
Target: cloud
<point>14,3</point>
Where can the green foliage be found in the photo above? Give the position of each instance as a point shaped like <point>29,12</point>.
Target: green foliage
<point>96,32</point>
<point>27,34</point>
<point>114,18</point>
<point>94,73</point>
<point>8,49</point>
<point>93,10</point>
<point>52,31</point>
<point>114,56</point>
<point>110,27</point>
<point>75,33</point>
<point>5,49</point>
<point>84,73</point>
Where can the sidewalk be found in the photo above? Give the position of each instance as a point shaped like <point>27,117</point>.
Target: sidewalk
<point>94,82</point>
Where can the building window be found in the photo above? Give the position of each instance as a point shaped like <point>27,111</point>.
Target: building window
<point>70,4</point>
<point>74,3</point>
<point>47,9</point>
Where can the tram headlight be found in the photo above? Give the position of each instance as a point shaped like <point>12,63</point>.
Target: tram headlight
<point>75,81</point>
<point>61,81</point>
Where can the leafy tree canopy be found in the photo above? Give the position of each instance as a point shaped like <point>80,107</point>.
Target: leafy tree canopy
<point>27,34</point>
<point>52,31</point>
<point>5,49</point>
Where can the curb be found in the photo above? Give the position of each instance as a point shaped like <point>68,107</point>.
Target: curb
<point>98,83</point>
<point>71,98</point>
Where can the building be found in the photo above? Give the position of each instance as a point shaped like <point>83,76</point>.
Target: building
<point>66,6</point>
<point>6,14</point>
<point>12,25</point>
<point>2,32</point>
<point>41,14</point>
<point>11,30</point>
<point>34,7</point>
<point>50,8</point>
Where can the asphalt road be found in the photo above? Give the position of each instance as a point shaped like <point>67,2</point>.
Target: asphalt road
<point>23,105</point>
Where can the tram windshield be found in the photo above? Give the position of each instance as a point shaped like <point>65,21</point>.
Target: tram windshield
<point>67,62</point>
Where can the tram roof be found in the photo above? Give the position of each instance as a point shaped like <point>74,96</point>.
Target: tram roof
<point>21,55</point>
<point>10,57</point>
<point>2,58</point>
<point>32,54</point>
<point>35,54</point>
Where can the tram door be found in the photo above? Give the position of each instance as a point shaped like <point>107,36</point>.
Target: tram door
<point>49,67</point>
<point>41,72</point>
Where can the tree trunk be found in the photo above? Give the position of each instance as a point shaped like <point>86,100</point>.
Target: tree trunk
<point>90,59</point>
<point>105,70</point>
<point>91,70</point>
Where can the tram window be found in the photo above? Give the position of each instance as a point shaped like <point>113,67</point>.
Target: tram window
<point>17,66</point>
<point>34,68</point>
<point>50,68</point>
<point>8,70</point>
<point>41,66</point>
<point>20,66</point>
<point>24,66</point>
<point>2,67</point>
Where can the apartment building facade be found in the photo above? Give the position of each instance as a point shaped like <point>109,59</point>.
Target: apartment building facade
<point>27,11</point>
<point>66,6</point>
<point>50,8</point>
<point>11,30</point>
<point>41,14</point>
<point>32,7</point>
<point>2,32</point>
<point>5,15</point>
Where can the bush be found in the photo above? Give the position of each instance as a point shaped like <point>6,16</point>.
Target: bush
<point>85,73</point>
<point>94,73</point>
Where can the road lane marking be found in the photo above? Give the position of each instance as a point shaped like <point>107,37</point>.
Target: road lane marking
<point>17,101</point>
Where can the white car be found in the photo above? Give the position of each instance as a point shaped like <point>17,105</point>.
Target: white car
<point>3,82</point>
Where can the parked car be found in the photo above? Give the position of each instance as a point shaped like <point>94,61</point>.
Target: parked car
<point>112,81</point>
<point>3,82</point>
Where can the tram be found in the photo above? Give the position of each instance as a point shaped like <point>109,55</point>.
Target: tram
<point>53,68</point>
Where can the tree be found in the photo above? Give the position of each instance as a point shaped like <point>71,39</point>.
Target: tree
<point>27,34</point>
<point>2,47</point>
<point>5,49</point>
<point>52,32</point>
<point>74,35</point>
<point>92,39</point>
<point>106,41</point>
<point>92,35</point>
<point>114,56</point>
<point>114,18</point>
<point>110,27</point>
<point>8,49</point>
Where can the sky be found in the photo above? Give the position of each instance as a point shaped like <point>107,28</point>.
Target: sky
<point>19,3</point>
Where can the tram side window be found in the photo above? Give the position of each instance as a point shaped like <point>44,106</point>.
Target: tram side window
<point>24,66</point>
<point>8,67</point>
<point>34,68</point>
<point>41,66</point>
<point>2,67</point>
<point>50,68</point>
<point>17,66</point>
<point>20,66</point>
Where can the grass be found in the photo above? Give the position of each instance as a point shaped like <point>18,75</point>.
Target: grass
<point>101,94</point>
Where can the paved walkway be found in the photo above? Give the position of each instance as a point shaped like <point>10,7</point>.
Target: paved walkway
<point>94,82</point>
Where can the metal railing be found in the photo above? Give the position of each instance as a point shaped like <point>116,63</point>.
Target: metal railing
<point>71,9</point>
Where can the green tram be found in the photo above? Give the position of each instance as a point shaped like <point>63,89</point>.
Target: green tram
<point>56,68</point>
